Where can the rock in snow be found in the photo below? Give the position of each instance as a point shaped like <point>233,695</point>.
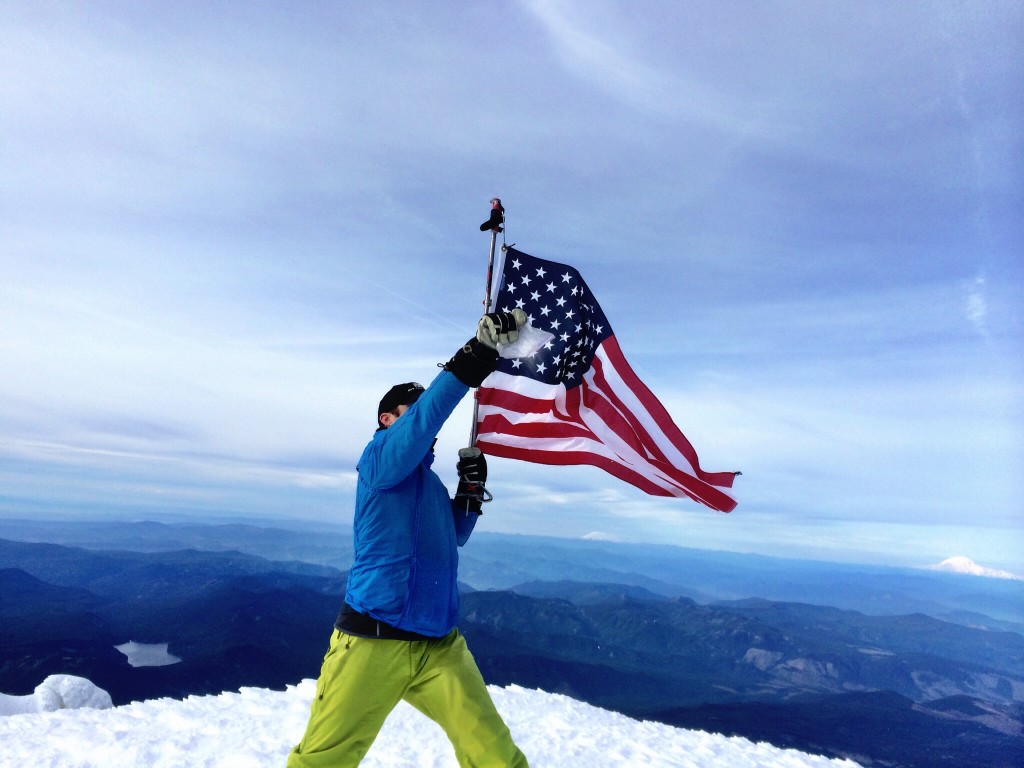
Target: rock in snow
<point>256,728</point>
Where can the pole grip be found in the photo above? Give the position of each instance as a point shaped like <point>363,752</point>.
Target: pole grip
<point>487,309</point>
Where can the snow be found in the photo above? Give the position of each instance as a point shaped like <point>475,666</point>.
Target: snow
<point>57,692</point>
<point>961,564</point>
<point>601,536</point>
<point>256,727</point>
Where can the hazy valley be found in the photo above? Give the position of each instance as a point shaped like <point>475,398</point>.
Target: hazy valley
<point>887,666</point>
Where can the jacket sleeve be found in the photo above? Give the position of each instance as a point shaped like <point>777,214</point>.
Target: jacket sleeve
<point>407,441</point>
<point>465,522</point>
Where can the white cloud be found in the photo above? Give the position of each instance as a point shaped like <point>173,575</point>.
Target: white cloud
<point>976,309</point>
<point>218,250</point>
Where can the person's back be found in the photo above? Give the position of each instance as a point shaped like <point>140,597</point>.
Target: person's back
<point>405,534</point>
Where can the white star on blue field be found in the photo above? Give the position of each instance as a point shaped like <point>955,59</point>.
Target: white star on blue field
<point>226,230</point>
<point>567,355</point>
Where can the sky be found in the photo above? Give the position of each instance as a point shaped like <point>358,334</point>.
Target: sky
<point>227,228</point>
<point>256,727</point>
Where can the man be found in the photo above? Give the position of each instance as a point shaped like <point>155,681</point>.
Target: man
<point>395,637</point>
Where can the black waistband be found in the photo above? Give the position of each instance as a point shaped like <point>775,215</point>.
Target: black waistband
<point>351,622</point>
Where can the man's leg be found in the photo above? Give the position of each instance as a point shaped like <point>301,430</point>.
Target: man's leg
<point>449,689</point>
<point>360,682</point>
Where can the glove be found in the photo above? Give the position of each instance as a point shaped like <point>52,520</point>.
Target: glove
<point>472,469</point>
<point>500,327</point>
<point>473,363</point>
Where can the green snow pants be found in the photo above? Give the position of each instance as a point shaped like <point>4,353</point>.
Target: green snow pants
<point>363,679</point>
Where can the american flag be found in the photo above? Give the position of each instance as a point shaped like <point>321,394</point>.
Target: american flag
<point>576,400</point>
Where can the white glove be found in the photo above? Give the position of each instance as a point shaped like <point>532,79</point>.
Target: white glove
<point>500,327</point>
<point>531,340</point>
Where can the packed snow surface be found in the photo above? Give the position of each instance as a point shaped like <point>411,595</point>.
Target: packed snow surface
<point>256,727</point>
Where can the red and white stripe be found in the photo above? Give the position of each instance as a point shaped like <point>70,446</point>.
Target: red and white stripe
<point>611,421</point>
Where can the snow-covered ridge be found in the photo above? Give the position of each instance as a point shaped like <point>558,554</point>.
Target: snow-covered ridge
<point>256,727</point>
<point>961,564</point>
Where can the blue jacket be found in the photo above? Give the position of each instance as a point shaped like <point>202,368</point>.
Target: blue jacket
<point>406,530</point>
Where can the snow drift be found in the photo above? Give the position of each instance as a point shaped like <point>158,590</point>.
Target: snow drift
<point>57,692</point>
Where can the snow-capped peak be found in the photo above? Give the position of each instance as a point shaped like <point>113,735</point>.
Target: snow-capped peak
<point>961,564</point>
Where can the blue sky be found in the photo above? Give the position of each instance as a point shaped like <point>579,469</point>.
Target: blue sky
<point>226,228</point>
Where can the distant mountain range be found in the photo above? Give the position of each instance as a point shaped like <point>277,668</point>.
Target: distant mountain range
<point>887,689</point>
<point>497,561</point>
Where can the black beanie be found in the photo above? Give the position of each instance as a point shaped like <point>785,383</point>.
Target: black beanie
<point>400,394</point>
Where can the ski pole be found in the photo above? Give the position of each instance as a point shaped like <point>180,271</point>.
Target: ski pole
<point>487,309</point>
